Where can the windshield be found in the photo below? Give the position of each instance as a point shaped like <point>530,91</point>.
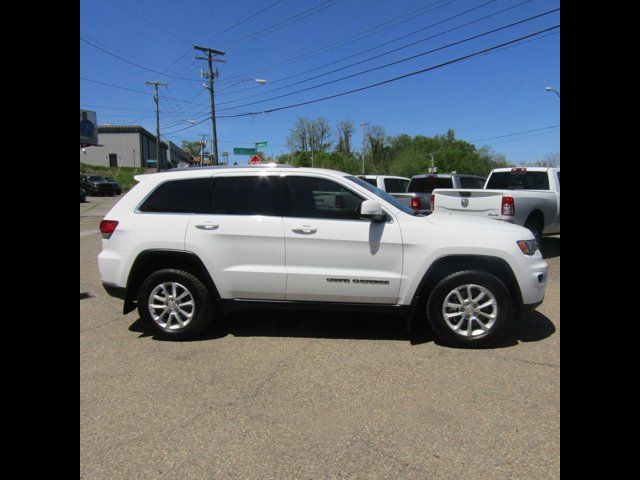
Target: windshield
<point>95,178</point>
<point>382,194</point>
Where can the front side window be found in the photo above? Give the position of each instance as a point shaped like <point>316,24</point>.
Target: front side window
<point>312,197</point>
<point>179,196</point>
<point>250,195</point>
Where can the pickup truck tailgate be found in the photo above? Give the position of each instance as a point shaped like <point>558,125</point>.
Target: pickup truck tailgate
<point>475,202</point>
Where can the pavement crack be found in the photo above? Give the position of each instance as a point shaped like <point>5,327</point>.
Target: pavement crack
<point>274,373</point>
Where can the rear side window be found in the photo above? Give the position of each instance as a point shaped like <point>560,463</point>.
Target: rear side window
<point>179,196</point>
<point>519,181</point>
<point>429,183</point>
<point>471,182</point>
<point>395,185</point>
<point>250,195</point>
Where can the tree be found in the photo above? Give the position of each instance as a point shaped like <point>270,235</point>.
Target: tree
<point>192,148</point>
<point>345,134</point>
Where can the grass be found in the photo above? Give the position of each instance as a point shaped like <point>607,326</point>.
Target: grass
<point>122,175</point>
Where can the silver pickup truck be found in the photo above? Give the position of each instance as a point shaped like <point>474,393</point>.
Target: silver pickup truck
<point>526,196</point>
<point>418,195</point>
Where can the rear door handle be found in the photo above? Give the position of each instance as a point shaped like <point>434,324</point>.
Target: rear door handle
<point>207,227</point>
<point>304,229</point>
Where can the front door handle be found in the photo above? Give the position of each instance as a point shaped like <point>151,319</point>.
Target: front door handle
<point>304,229</point>
<point>208,226</point>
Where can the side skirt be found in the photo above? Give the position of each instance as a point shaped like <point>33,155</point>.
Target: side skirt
<point>240,304</point>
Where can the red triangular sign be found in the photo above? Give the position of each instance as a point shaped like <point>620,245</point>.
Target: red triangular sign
<point>255,160</point>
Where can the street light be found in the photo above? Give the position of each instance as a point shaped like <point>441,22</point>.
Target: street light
<point>551,89</point>
<point>260,81</point>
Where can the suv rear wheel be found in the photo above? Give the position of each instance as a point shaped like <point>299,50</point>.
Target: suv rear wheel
<point>469,308</point>
<point>175,304</point>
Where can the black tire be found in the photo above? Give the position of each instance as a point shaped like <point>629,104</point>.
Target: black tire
<point>535,225</point>
<point>441,291</point>
<point>203,303</point>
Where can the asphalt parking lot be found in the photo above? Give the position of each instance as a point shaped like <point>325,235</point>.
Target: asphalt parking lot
<point>309,395</point>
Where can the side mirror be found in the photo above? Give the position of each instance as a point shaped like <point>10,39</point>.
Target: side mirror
<point>371,210</point>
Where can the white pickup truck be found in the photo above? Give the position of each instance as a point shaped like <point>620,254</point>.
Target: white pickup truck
<point>527,196</point>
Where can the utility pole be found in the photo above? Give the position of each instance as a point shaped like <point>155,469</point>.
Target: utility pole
<point>202,144</point>
<point>432,169</point>
<point>364,126</point>
<point>155,99</point>
<point>210,58</point>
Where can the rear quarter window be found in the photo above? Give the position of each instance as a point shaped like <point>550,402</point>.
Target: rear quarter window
<point>179,196</point>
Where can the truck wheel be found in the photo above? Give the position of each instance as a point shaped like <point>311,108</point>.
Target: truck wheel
<point>175,304</point>
<point>534,224</point>
<point>469,308</point>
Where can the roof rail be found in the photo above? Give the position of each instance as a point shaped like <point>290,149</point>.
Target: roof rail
<point>214,167</point>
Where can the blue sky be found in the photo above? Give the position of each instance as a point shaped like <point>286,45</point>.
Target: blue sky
<point>492,95</point>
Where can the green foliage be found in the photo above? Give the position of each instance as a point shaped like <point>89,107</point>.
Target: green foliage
<point>122,175</point>
<point>192,147</point>
<point>401,155</point>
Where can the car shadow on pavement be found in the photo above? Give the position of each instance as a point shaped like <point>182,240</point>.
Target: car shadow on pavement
<point>341,325</point>
<point>550,247</point>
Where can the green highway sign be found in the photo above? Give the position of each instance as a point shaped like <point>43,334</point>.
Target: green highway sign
<point>244,151</point>
<point>261,144</point>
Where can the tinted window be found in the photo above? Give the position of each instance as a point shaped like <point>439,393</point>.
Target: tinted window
<point>471,182</point>
<point>519,181</point>
<point>395,185</point>
<point>179,196</point>
<point>429,183</point>
<point>313,197</point>
<point>251,195</point>
<point>95,178</point>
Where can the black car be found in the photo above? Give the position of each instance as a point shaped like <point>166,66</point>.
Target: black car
<point>116,185</point>
<point>83,195</point>
<point>95,185</point>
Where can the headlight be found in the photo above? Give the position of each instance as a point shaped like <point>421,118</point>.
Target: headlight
<point>528,247</point>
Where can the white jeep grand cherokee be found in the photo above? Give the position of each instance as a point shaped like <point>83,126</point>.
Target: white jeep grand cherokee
<point>186,245</point>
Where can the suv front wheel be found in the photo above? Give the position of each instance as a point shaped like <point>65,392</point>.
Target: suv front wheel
<point>469,308</point>
<point>175,304</point>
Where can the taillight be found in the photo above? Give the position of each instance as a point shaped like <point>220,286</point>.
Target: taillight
<point>508,206</point>
<point>416,204</point>
<point>433,201</point>
<point>107,227</point>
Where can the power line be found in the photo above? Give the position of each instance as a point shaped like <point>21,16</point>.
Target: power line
<point>381,54</point>
<point>390,80</point>
<point>130,89</point>
<point>137,64</point>
<point>395,62</point>
<point>220,33</point>
<point>146,20</point>
<point>407,17</point>
<point>394,79</point>
<point>509,117</point>
<point>516,133</point>
<point>286,22</point>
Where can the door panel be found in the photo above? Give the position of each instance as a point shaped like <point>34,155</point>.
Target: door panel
<point>241,240</point>
<point>341,258</point>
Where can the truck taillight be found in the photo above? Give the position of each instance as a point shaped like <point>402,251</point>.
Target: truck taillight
<point>433,201</point>
<point>508,206</point>
<point>107,227</point>
<point>416,204</point>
